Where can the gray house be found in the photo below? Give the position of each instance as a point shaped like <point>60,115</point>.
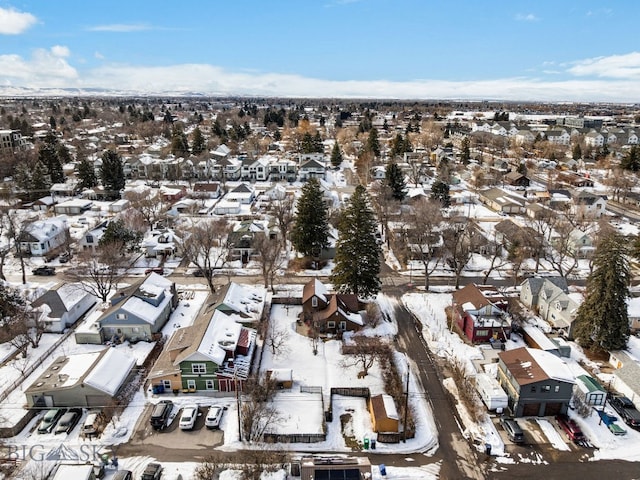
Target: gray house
<point>82,380</point>
<point>536,382</point>
<point>62,306</point>
<point>140,311</point>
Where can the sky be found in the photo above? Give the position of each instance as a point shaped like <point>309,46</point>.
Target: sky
<point>570,50</point>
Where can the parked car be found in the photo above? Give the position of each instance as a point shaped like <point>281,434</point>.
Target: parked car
<point>123,475</point>
<point>626,409</point>
<point>44,270</point>
<point>93,424</point>
<point>200,272</point>
<point>50,419</point>
<point>514,432</point>
<point>160,414</point>
<point>158,270</point>
<point>571,428</point>
<point>188,417</point>
<point>153,471</point>
<point>65,257</point>
<point>214,416</point>
<point>68,421</point>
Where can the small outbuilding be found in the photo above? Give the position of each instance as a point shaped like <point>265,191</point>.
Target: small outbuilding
<point>589,391</point>
<point>384,415</point>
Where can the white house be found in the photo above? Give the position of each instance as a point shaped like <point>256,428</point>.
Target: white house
<point>62,306</point>
<point>42,236</point>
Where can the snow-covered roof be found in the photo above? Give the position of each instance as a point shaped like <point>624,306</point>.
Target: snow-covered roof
<point>552,365</point>
<point>244,300</point>
<point>111,371</point>
<point>145,310</point>
<point>71,294</point>
<point>221,336</point>
<point>76,367</point>
<point>390,407</point>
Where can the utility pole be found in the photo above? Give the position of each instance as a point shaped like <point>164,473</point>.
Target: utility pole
<point>238,405</point>
<point>406,408</point>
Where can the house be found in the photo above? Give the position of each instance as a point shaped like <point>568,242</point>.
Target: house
<point>240,241</point>
<point>256,170</point>
<point>480,311</point>
<point>43,204</point>
<point>516,179</point>
<point>549,297</point>
<point>246,302</point>
<point>82,380</point>
<point>140,311</point>
<point>161,244</point>
<point>626,376</point>
<point>633,312</point>
<point>243,193</point>
<point>509,233</point>
<point>580,244</point>
<point>207,190</point>
<point>91,239</point>
<point>67,189</point>
<point>536,382</point>
<point>502,201</point>
<point>311,169</point>
<point>330,313</point>
<point>62,306</point>
<point>283,169</point>
<point>589,205</point>
<point>589,391</point>
<point>384,415</point>
<point>43,236</point>
<point>214,354</point>
<point>75,206</point>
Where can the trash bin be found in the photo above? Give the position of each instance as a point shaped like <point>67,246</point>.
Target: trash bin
<point>487,448</point>
<point>373,444</point>
<point>383,470</point>
<point>366,443</point>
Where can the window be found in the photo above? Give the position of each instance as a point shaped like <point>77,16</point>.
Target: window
<point>199,368</point>
<point>331,324</point>
<point>545,388</point>
<point>533,389</point>
<point>482,333</point>
<point>343,325</point>
<point>314,301</point>
<point>121,316</point>
<point>191,384</point>
<point>166,384</point>
<point>209,385</point>
<point>557,388</point>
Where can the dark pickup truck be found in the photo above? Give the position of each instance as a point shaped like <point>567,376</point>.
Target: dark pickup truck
<point>626,409</point>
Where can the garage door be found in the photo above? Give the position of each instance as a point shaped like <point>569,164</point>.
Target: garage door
<point>346,474</point>
<point>530,409</point>
<point>552,409</point>
<point>96,400</point>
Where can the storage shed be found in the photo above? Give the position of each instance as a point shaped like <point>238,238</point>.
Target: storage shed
<point>384,415</point>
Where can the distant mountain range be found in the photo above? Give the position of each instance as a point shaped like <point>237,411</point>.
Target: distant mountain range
<point>11,91</point>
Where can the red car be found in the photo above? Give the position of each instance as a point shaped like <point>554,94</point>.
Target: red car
<point>571,428</point>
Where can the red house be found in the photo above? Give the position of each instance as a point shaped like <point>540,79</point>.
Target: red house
<point>330,313</point>
<point>480,311</point>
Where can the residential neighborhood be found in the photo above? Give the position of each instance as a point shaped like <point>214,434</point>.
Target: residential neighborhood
<point>275,262</point>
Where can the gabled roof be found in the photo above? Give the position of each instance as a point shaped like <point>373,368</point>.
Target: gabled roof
<point>314,287</point>
<point>478,296</point>
<point>529,365</point>
<point>61,299</point>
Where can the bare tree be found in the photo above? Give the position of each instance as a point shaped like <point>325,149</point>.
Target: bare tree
<point>620,183</point>
<point>284,213</point>
<point>205,245</point>
<point>99,272</point>
<point>364,352</point>
<point>149,203</point>
<point>14,230</point>
<point>496,258</point>
<point>257,411</point>
<point>269,256</point>
<point>424,225</point>
<point>460,240</point>
<point>384,205</point>
<point>277,339</point>
<point>560,254</point>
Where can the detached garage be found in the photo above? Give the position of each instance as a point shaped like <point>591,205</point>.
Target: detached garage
<point>82,380</point>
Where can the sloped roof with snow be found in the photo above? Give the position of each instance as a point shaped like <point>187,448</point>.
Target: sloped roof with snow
<point>530,365</point>
<point>246,301</point>
<point>221,337</point>
<point>111,371</point>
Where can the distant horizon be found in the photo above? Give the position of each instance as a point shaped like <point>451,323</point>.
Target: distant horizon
<point>349,49</point>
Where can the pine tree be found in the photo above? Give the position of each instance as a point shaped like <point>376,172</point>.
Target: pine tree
<point>199,144</point>
<point>40,181</point>
<point>465,154</point>
<point>602,320</point>
<point>336,155</point>
<point>179,142</point>
<point>394,178</point>
<point>357,260</point>
<point>576,153</point>
<point>310,232</point>
<point>48,155</point>
<point>631,161</point>
<point>112,174</point>
<point>373,145</point>
<point>86,175</point>
<point>440,192</point>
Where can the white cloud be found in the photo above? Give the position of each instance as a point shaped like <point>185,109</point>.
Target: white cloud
<point>13,22</point>
<point>526,17</point>
<point>49,68</point>
<point>625,66</point>
<point>98,55</point>
<point>45,68</point>
<point>120,27</point>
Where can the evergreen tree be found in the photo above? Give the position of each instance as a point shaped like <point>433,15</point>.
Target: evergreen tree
<point>199,144</point>
<point>465,154</point>
<point>394,178</point>
<point>357,260</point>
<point>522,168</point>
<point>179,142</point>
<point>310,232</point>
<point>48,155</point>
<point>373,145</point>
<point>631,161</point>
<point>440,192</point>
<point>336,155</point>
<point>317,143</point>
<point>86,175</point>
<point>118,232</point>
<point>306,145</point>
<point>40,181</point>
<point>602,320</point>
<point>112,174</point>
<point>576,153</point>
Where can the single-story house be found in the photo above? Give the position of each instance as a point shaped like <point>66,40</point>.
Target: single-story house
<point>502,201</point>
<point>207,190</point>
<point>384,414</point>
<point>42,236</point>
<point>75,206</point>
<point>62,306</point>
<point>536,382</point>
<point>82,380</point>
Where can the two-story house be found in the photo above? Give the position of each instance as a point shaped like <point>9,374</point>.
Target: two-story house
<point>480,311</point>
<point>330,313</point>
